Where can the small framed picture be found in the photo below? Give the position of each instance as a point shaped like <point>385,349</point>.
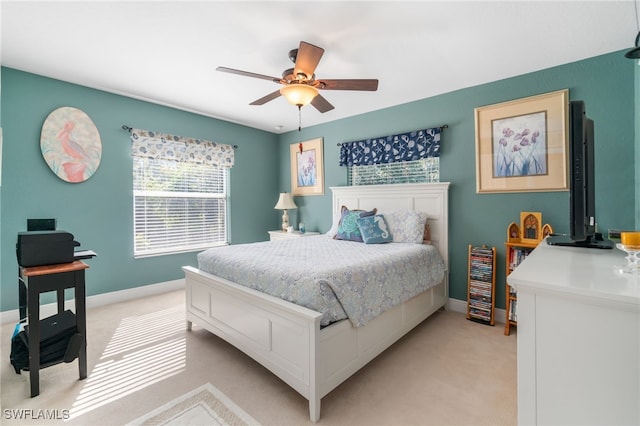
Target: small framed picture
<point>530,227</point>
<point>513,233</point>
<point>307,169</point>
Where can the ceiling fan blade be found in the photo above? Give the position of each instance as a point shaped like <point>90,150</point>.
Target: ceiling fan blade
<point>353,84</point>
<point>248,74</point>
<point>263,100</point>
<point>321,104</point>
<point>307,59</point>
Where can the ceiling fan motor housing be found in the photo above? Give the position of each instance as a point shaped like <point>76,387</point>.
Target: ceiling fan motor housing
<point>293,55</point>
<point>288,77</point>
<point>302,79</point>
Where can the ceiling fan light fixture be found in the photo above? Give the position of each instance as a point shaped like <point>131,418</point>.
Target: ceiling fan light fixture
<point>299,94</point>
<point>635,52</point>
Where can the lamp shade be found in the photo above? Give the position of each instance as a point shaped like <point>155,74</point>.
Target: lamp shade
<point>285,202</point>
<point>299,94</point>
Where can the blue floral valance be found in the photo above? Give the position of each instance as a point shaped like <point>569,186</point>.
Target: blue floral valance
<point>391,149</point>
<point>162,146</point>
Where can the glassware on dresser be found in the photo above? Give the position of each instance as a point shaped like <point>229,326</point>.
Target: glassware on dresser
<point>630,244</point>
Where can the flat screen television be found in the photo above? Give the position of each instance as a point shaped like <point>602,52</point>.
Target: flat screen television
<point>582,203</point>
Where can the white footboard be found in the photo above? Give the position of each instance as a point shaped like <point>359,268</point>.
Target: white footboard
<point>286,338</point>
<point>279,335</point>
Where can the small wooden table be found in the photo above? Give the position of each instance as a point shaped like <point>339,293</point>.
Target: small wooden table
<point>32,281</point>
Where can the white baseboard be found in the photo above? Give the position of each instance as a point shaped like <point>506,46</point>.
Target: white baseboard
<point>457,305</point>
<point>13,316</point>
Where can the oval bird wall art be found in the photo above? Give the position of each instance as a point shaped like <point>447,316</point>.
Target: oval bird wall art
<point>70,144</point>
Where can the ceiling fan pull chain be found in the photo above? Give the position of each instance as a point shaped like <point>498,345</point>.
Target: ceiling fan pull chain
<point>299,117</point>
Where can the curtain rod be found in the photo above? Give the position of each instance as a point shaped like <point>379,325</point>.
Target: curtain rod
<point>444,126</point>
<point>129,129</point>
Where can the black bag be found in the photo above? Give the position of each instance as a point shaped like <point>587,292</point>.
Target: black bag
<point>19,350</point>
<point>59,341</point>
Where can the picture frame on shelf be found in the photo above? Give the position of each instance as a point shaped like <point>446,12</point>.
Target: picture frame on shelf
<point>530,227</point>
<point>546,230</point>
<point>521,145</point>
<point>513,233</point>
<point>307,167</point>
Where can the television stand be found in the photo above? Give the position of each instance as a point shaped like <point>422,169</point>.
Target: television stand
<point>594,241</point>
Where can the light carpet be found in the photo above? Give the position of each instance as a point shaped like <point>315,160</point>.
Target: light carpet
<point>205,405</point>
<point>448,371</point>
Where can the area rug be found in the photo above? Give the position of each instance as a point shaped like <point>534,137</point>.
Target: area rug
<point>205,405</point>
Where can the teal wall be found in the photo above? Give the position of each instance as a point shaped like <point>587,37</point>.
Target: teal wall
<point>98,211</point>
<point>637,156</point>
<point>605,83</point>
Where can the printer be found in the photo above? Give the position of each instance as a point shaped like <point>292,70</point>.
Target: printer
<point>38,248</point>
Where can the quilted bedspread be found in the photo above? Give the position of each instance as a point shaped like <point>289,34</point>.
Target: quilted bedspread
<point>339,279</point>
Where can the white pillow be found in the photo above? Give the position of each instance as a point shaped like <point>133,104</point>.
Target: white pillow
<point>332,232</point>
<point>334,226</point>
<point>406,226</point>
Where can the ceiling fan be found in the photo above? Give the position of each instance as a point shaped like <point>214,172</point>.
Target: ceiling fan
<point>299,84</point>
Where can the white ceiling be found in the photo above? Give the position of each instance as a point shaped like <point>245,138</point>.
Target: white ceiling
<point>166,52</point>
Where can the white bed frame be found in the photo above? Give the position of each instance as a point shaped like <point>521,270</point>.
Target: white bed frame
<point>287,339</point>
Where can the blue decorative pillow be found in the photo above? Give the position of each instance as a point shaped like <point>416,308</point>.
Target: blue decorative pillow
<point>374,229</point>
<point>348,226</point>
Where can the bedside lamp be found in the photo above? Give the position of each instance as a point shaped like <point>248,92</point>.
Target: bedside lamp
<point>285,202</point>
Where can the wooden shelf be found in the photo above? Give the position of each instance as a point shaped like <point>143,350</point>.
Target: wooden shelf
<point>481,289</point>
<point>517,249</point>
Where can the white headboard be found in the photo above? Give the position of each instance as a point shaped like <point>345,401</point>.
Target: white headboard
<point>432,198</point>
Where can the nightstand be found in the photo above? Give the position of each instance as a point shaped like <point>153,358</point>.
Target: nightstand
<point>280,235</point>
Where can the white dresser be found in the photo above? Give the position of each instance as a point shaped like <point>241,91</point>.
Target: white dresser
<point>578,338</point>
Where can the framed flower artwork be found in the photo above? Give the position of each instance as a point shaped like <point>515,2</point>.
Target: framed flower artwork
<point>307,168</point>
<point>521,145</point>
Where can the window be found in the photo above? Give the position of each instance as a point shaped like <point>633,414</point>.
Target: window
<point>411,157</point>
<point>424,170</point>
<point>180,203</point>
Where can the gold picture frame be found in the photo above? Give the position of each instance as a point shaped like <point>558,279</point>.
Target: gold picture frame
<point>307,167</point>
<point>530,227</point>
<point>521,145</point>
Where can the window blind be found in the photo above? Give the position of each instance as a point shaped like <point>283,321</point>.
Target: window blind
<point>419,171</point>
<point>180,192</point>
<point>178,206</point>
